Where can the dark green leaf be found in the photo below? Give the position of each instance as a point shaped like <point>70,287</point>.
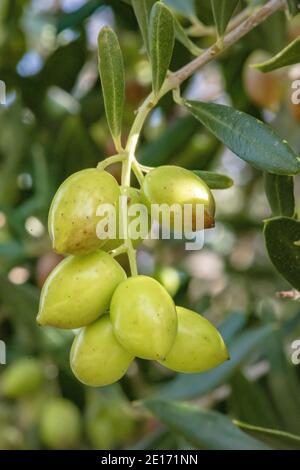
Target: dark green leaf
<point>161,40</point>
<point>142,10</point>
<point>250,403</point>
<point>170,142</point>
<point>215,180</point>
<point>276,439</point>
<point>111,70</point>
<point>293,7</point>
<point>190,386</point>
<point>204,429</point>
<point>280,194</point>
<point>282,236</point>
<point>184,7</point>
<point>223,11</point>
<point>288,56</point>
<point>249,138</point>
<point>283,384</point>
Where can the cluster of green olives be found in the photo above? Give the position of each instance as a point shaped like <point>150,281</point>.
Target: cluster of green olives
<point>121,318</point>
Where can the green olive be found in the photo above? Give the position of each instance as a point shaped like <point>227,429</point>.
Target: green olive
<point>22,378</point>
<point>72,217</point>
<point>134,197</point>
<point>60,426</point>
<point>198,345</point>
<point>109,424</point>
<point>174,185</point>
<point>144,317</point>
<point>97,359</point>
<point>79,290</point>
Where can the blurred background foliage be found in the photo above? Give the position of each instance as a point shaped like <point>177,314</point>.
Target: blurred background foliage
<point>52,125</point>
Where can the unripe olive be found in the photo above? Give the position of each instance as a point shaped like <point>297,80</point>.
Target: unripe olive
<point>144,317</point>
<point>134,197</point>
<point>174,185</point>
<point>109,425</point>
<point>198,345</point>
<point>97,359</point>
<point>22,378</point>
<point>79,290</point>
<point>264,89</point>
<point>60,426</point>
<point>11,438</point>
<point>72,217</point>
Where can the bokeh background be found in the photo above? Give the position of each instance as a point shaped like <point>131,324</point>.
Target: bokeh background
<point>53,124</point>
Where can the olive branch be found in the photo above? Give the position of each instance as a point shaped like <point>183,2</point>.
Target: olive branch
<point>161,34</point>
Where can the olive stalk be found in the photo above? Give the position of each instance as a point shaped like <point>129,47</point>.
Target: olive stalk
<point>173,82</point>
<point>111,160</point>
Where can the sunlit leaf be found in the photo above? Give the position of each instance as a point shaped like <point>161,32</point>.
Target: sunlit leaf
<point>288,56</point>
<point>142,10</point>
<point>161,39</point>
<point>111,70</point>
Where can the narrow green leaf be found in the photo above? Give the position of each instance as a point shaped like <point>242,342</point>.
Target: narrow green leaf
<point>293,7</point>
<point>182,37</point>
<point>142,10</point>
<point>215,180</point>
<point>183,7</point>
<point>204,429</point>
<point>222,12</point>
<point>280,194</point>
<point>274,438</point>
<point>283,384</point>
<point>247,137</point>
<point>282,235</point>
<point>288,56</point>
<point>174,138</point>
<point>250,403</point>
<point>190,386</point>
<point>161,39</point>
<point>111,68</point>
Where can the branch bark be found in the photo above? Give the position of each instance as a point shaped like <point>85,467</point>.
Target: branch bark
<point>231,38</point>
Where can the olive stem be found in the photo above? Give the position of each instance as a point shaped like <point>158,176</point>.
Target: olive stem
<point>110,161</point>
<point>118,251</point>
<point>173,81</point>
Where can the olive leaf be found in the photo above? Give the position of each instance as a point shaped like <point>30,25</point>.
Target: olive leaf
<point>293,7</point>
<point>111,68</point>
<point>282,381</point>
<point>182,37</point>
<point>288,56</point>
<point>280,194</point>
<point>214,180</point>
<point>142,9</point>
<point>282,236</point>
<point>249,138</point>
<point>183,7</point>
<point>222,12</point>
<point>249,402</point>
<point>274,438</point>
<point>161,39</point>
<point>195,425</point>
